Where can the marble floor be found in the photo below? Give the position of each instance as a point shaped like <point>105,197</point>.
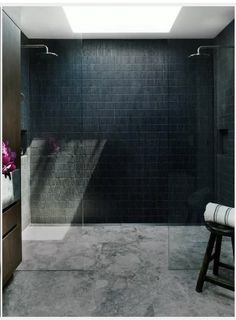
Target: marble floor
<point>119,270</point>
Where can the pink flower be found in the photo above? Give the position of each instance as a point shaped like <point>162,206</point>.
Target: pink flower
<point>8,158</point>
<point>5,159</point>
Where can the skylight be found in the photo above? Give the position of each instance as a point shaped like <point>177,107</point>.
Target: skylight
<point>121,18</point>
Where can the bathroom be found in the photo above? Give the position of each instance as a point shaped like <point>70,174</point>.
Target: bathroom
<point>122,137</point>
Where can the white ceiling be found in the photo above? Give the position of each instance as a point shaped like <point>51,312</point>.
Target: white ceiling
<point>50,23</point>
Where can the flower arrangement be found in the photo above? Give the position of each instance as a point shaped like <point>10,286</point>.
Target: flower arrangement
<point>8,159</point>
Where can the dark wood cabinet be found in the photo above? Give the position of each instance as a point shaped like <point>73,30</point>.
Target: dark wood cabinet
<point>11,218</point>
<point>11,245</point>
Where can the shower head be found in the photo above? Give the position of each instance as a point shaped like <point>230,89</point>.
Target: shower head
<point>40,46</point>
<point>52,54</point>
<point>48,53</point>
<point>199,49</point>
<point>198,54</point>
<point>47,57</point>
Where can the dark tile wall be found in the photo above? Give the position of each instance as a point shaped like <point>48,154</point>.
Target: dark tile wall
<point>125,89</point>
<point>121,132</point>
<point>154,108</point>
<point>224,116</point>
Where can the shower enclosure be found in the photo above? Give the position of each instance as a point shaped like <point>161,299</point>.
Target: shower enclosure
<point>191,153</point>
<point>200,146</point>
<point>131,131</point>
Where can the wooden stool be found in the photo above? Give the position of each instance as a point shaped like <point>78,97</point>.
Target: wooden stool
<point>217,232</point>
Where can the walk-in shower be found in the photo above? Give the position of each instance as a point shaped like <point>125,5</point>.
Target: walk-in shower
<point>125,138</point>
<point>123,131</point>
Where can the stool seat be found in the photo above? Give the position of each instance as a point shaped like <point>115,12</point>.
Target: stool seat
<point>220,229</point>
<point>217,231</point>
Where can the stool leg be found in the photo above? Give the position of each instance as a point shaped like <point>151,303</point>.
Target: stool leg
<point>217,255</point>
<point>232,241</point>
<point>205,263</point>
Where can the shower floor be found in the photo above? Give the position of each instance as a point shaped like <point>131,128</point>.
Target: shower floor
<point>116,270</point>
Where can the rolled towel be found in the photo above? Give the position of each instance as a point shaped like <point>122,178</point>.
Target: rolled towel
<point>221,214</point>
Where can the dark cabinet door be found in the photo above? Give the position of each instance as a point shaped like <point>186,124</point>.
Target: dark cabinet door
<point>11,245</point>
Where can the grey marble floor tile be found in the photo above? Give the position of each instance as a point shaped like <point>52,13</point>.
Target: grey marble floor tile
<point>113,271</point>
<point>187,246</point>
<point>148,292</point>
<point>89,248</point>
<point>181,299</point>
<point>50,293</point>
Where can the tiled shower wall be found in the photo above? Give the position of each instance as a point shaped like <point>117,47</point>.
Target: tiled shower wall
<point>154,108</point>
<point>125,102</point>
<point>224,116</point>
<point>117,132</point>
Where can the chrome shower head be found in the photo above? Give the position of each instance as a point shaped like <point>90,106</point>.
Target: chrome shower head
<point>198,54</point>
<point>199,50</point>
<point>48,53</point>
<point>40,46</point>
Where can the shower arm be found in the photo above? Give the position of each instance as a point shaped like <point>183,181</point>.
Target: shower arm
<point>35,46</point>
<point>212,47</point>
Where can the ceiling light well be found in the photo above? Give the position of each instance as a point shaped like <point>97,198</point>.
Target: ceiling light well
<point>121,18</point>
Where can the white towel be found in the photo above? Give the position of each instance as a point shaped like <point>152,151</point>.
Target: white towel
<point>221,214</point>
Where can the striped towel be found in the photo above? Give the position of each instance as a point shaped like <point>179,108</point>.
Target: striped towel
<point>221,214</point>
